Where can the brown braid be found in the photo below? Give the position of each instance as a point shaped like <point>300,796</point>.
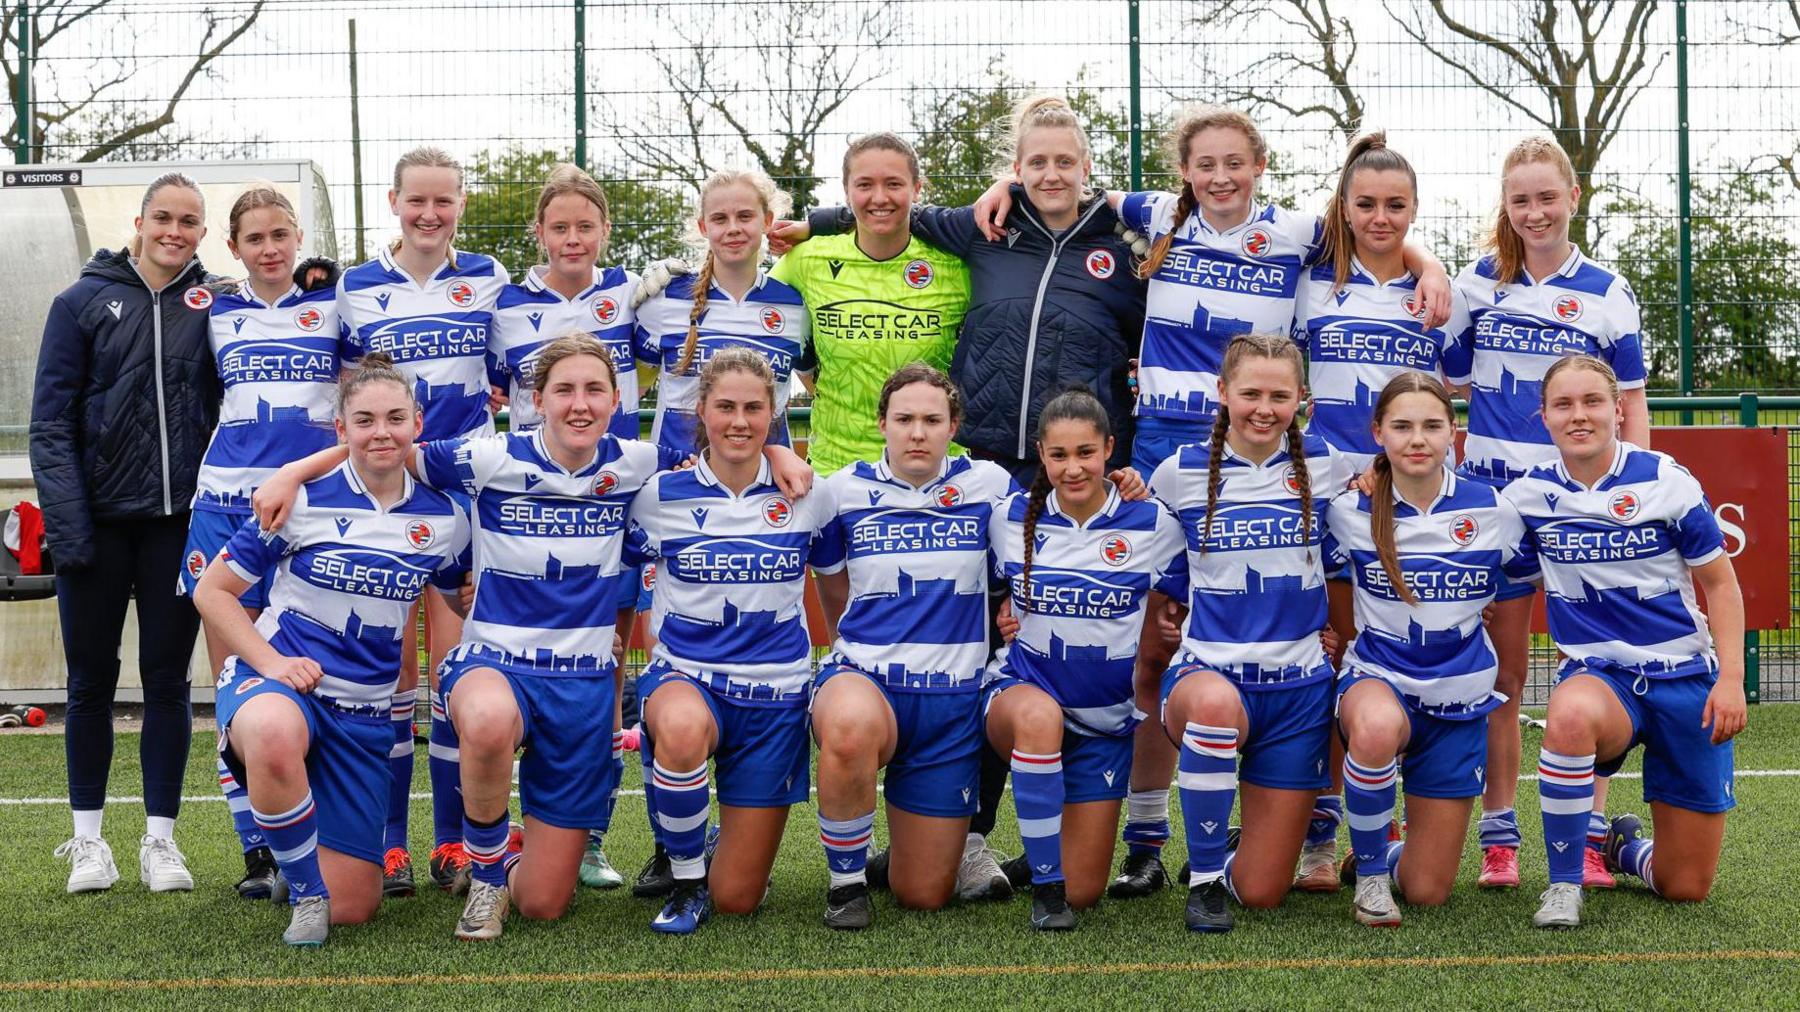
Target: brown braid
<point>1381,504</point>
<point>1181,136</point>
<point>1296,441</point>
<point>1220,423</point>
<point>1153,260</point>
<point>1034,508</point>
<point>702,291</point>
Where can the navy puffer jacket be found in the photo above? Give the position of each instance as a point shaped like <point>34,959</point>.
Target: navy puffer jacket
<point>127,395</point>
<point>1049,310</point>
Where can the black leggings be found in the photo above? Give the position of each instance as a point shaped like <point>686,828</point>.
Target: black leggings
<point>133,558</point>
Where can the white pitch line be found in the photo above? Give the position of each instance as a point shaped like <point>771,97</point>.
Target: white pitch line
<point>132,799</point>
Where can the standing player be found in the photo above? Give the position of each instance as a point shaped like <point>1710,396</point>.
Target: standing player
<point>1250,678</point>
<point>303,698</point>
<point>878,298</point>
<point>1623,535</point>
<point>903,578</point>
<point>727,678</point>
<point>1424,551</point>
<point>728,303</point>
<point>430,308</point>
<point>276,344</point>
<point>571,294</point>
<point>1534,299</point>
<point>1079,561</point>
<point>1360,319</point>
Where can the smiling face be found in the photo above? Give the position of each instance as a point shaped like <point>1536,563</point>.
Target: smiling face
<point>733,221</point>
<point>268,242</point>
<point>1263,395</point>
<point>1416,432</point>
<point>171,227</point>
<point>428,203</point>
<point>1073,454</point>
<point>1583,415</point>
<point>1222,168</point>
<point>881,189</point>
<point>1539,203</point>
<point>1379,208</point>
<point>736,412</point>
<point>917,426</point>
<point>572,233</point>
<point>577,402</point>
<point>1054,168</point>
<point>378,422</point>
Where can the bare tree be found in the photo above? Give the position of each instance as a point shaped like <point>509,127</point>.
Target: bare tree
<point>807,58</point>
<point>1782,32</point>
<point>1561,64</point>
<point>1323,58</point>
<point>84,112</point>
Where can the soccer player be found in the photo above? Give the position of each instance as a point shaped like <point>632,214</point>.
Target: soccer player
<point>1623,534</point>
<point>276,344</point>
<point>727,303</point>
<point>1079,561</point>
<point>568,294</point>
<point>303,699</point>
<point>903,580</point>
<point>430,308</point>
<point>1250,680</point>
<point>1532,300</point>
<point>1220,264</point>
<point>1360,319</point>
<point>1424,551</point>
<point>728,675</point>
<point>878,297</point>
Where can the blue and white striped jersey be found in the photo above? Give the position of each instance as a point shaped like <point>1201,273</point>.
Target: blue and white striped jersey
<point>918,561</point>
<point>279,365</point>
<point>1082,614</point>
<point>728,607</point>
<point>437,332</point>
<point>1356,339</point>
<point>1455,556</point>
<point>346,575</point>
<point>531,314</point>
<point>771,319</point>
<point>1616,558</point>
<point>1516,333</point>
<point>547,547</point>
<point>1257,579</point>
<point>1212,287</point>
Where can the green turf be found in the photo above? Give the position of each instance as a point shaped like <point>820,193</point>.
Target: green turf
<point>130,935</point>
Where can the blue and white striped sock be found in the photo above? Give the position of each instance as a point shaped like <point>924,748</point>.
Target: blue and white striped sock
<point>1596,831</point>
<point>1634,859</point>
<point>1146,822</point>
<point>1038,794</point>
<point>1566,797</point>
<point>1369,795</point>
<point>400,773</point>
<point>294,840</point>
<point>486,846</point>
<point>846,843</point>
<point>443,761</point>
<point>238,800</point>
<point>1327,815</point>
<point>1208,779</point>
<point>1498,828</point>
<point>682,801</point>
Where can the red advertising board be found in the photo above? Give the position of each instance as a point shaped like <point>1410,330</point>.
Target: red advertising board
<point>1745,474</point>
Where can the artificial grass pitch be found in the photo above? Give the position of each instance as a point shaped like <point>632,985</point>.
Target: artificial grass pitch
<point>130,948</point>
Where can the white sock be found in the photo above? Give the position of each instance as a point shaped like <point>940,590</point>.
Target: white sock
<point>160,826</point>
<point>87,823</point>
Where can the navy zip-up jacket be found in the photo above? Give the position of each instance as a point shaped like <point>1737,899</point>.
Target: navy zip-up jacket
<point>127,395</point>
<point>1049,310</point>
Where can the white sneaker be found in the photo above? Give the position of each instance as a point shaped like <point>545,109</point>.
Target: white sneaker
<point>162,867</point>
<point>1561,906</point>
<point>1375,905</point>
<point>92,868</point>
<point>1318,872</point>
<point>979,876</point>
<point>484,914</point>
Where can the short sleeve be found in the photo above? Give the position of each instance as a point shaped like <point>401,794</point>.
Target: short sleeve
<point>829,551</point>
<point>1459,331</point>
<point>453,464</point>
<point>951,229</point>
<point>251,554</point>
<point>1331,548</point>
<point>1518,553</point>
<point>350,345</point>
<point>1165,482</point>
<point>1140,212</point>
<point>1169,549</point>
<point>1694,526</point>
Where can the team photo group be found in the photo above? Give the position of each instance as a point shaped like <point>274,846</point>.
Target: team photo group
<point>1102,494</point>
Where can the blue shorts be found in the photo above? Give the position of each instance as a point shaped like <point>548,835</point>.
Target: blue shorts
<point>1157,440</point>
<point>567,772</point>
<point>1290,731</point>
<point>761,759</point>
<point>1509,587</point>
<point>936,766</point>
<point>1095,767</point>
<point>1444,758</point>
<point>346,759</point>
<point>208,530</point>
<point>1682,767</point>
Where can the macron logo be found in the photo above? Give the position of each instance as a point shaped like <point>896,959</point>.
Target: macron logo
<point>1108,777</point>
<point>115,305</point>
<point>237,325</point>
<point>382,299</point>
<point>874,498</point>
<point>1209,826</point>
<point>343,524</point>
<point>699,517</point>
<point>1037,541</point>
<point>536,319</point>
<point>1500,297</point>
<point>1341,296</point>
<point>1550,500</point>
<point>532,480</point>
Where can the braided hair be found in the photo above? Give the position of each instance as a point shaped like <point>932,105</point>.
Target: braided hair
<point>1247,346</point>
<point>1381,501</point>
<point>1180,139</point>
<point>1074,405</point>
